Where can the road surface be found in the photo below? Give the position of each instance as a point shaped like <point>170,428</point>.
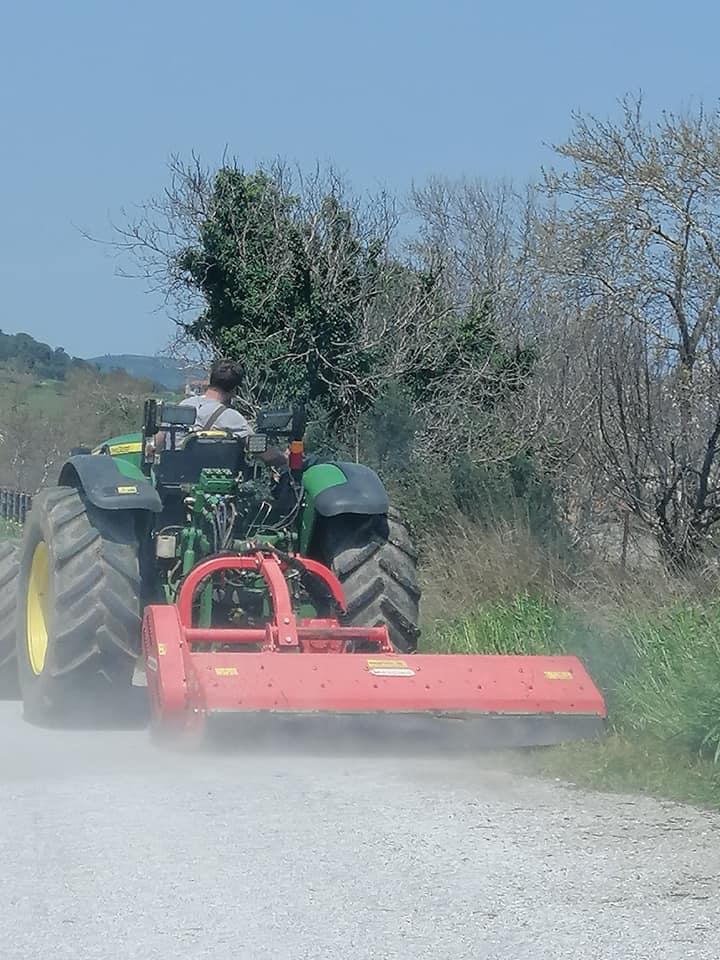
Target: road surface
<point>114,850</point>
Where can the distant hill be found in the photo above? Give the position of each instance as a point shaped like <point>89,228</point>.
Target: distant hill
<point>24,352</point>
<point>160,370</point>
<point>39,359</point>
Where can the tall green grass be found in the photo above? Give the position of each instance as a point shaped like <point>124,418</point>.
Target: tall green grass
<point>671,689</point>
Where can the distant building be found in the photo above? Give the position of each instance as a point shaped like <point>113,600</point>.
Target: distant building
<point>193,388</point>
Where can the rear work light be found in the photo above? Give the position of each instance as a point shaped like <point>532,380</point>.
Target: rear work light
<point>257,443</point>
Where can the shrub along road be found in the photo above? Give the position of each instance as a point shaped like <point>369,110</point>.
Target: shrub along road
<point>112,849</point>
<point>658,668</point>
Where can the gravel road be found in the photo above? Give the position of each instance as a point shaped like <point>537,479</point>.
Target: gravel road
<point>114,850</point>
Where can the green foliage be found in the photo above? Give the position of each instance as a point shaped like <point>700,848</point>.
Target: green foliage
<point>513,492</point>
<point>671,690</point>
<point>488,496</point>
<point>386,432</point>
<point>247,234</point>
<point>283,292</point>
<point>473,342</point>
<point>423,494</point>
<point>523,624</point>
<point>430,490</point>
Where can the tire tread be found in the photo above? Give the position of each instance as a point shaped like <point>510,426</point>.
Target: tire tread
<point>95,636</point>
<point>376,564</point>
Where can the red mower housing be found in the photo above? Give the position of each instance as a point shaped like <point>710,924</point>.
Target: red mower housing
<point>311,668</point>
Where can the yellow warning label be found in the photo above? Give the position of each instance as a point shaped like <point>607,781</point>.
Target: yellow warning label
<point>118,449</point>
<point>162,649</point>
<point>127,489</point>
<point>558,675</point>
<point>387,664</point>
<point>226,671</point>
<point>389,668</point>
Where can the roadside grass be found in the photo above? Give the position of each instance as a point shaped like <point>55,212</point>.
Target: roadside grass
<point>635,764</point>
<point>654,653</point>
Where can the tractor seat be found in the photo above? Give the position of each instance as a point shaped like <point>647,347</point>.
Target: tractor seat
<point>197,452</point>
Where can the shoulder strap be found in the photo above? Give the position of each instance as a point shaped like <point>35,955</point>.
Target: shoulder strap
<point>215,416</point>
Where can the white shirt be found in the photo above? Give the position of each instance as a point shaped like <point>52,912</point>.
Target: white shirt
<point>228,420</point>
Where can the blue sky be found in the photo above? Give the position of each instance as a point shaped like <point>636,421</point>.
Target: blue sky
<point>95,96</point>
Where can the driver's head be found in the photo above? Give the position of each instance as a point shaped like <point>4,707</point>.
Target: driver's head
<point>226,375</point>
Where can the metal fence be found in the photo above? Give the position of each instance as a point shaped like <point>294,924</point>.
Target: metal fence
<point>14,505</point>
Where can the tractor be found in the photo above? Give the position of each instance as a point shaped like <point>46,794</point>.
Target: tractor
<point>238,589</point>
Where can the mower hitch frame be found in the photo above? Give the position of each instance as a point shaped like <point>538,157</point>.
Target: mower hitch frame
<point>283,632</point>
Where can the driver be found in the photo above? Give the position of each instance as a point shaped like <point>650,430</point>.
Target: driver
<point>213,409</point>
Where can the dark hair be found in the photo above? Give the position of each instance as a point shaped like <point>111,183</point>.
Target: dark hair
<point>226,375</point>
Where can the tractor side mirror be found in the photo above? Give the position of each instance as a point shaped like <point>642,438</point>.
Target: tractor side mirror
<point>274,422</point>
<point>176,415</point>
<point>158,415</point>
<point>150,418</point>
<point>282,423</point>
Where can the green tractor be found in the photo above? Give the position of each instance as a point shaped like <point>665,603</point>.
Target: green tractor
<point>125,526</point>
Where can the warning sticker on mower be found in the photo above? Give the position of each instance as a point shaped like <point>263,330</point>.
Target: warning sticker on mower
<point>558,675</point>
<point>389,668</point>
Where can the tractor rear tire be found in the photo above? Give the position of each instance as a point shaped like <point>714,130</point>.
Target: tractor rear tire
<point>78,624</point>
<point>376,563</point>
<point>9,570</point>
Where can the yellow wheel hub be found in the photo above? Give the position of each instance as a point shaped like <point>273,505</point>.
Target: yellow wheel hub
<point>36,620</point>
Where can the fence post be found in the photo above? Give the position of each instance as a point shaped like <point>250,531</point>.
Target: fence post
<point>14,505</point>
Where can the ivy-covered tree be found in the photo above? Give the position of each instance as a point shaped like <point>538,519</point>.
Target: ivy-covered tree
<point>285,290</point>
<point>314,293</point>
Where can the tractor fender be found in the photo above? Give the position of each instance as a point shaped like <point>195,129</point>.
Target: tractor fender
<point>110,484</point>
<point>337,488</point>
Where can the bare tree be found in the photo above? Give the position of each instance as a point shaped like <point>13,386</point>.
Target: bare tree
<point>474,234</point>
<point>473,237</point>
<point>630,242</point>
<point>450,314</point>
<point>342,241</point>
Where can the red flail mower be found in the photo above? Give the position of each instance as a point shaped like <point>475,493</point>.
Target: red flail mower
<point>314,669</point>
